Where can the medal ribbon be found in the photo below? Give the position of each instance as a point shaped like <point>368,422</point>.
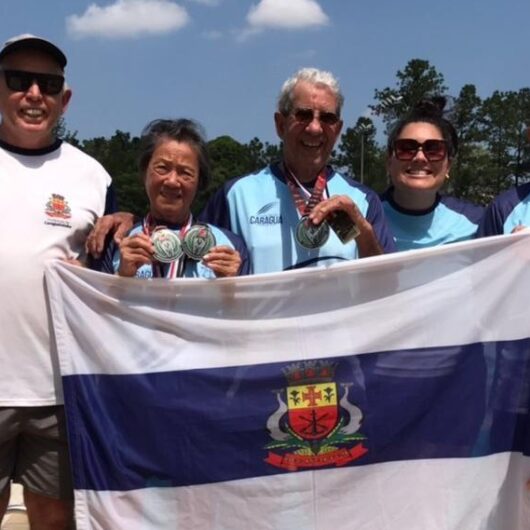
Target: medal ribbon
<point>305,205</point>
<point>176,268</point>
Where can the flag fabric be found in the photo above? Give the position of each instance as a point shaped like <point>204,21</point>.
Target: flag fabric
<point>386,393</point>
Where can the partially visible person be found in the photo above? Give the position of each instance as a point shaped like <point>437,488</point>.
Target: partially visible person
<point>266,208</point>
<point>421,149</point>
<point>51,193</point>
<point>508,213</point>
<point>174,165</point>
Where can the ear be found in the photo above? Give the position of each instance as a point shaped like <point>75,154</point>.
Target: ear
<point>65,98</point>
<point>449,164</point>
<point>279,121</point>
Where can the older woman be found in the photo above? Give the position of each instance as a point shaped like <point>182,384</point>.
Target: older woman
<point>421,148</point>
<point>167,243</point>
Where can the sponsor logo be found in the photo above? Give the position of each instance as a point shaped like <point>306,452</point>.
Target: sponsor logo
<point>265,217</point>
<point>315,424</point>
<point>57,211</point>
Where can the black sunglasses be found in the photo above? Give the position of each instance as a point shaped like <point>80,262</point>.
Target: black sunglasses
<point>21,81</point>
<point>306,116</point>
<point>407,149</point>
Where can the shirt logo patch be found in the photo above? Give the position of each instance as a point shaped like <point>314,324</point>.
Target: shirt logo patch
<point>57,211</point>
<point>264,217</point>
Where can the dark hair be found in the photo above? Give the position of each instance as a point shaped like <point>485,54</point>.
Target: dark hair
<point>181,130</point>
<point>428,111</point>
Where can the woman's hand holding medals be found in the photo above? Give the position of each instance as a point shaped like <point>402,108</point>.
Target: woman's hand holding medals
<point>142,249</point>
<point>224,261</point>
<point>135,251</point>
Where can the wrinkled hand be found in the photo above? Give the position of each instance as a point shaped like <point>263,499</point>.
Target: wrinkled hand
<point>120,223</point>
<point>366,241</point>
<point>224,261</point>
<point>135,251</point>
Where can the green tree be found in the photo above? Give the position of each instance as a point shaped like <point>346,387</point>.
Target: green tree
<point>504,117</point>
<point>359,153</point>
<point>417,80</point>
<point>229,159</point>
<point>471,156</point>
<point>118,155</point>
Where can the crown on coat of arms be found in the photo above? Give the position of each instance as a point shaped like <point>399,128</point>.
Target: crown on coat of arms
<point>310,372</point>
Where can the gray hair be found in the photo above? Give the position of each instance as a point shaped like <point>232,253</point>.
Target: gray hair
<point>312,76</point>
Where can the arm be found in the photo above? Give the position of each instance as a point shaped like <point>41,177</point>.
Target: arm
<point>119,223</point>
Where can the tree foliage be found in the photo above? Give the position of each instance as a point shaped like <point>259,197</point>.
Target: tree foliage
<point>494,142</point>
<point>417,80</point>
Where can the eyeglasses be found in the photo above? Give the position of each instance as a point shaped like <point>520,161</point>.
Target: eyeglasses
<point>407,149</point>
<point>306,116</point>
<point>21,81</point>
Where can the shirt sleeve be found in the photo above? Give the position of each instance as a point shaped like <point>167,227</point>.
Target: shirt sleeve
<point>376,217</point>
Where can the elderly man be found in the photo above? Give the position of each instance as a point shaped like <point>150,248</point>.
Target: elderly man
<point>52,194</point>
<point>299,212</point>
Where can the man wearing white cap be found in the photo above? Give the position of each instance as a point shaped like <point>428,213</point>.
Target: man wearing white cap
<point>50,196</point>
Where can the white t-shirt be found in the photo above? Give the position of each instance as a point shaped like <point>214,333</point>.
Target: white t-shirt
<point>49,201</point>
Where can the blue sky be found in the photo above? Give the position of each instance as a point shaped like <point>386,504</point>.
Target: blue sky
<point>222,62</point>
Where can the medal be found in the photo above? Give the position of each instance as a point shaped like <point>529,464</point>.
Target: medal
<point>167,245</point>
<point>198,241</point>
<point>307,234</point>
<point>310,235</point>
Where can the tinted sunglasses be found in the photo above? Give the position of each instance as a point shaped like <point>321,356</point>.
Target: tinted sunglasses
<point>434,150</point>
<point>21,81</point>
<point>306,116</point>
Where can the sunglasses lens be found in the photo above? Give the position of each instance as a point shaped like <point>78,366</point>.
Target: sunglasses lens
<point>434,150</point>
<point>17,81</point>
<point>20,81</point>
<point>303,115</point>
<point>406,149</point>
<point>329,118</point>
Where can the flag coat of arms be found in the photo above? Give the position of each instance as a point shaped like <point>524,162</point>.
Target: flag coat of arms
<point>386,393</point>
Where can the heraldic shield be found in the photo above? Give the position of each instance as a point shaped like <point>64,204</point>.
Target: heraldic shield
<point>313,410</point>
<point>316,425</point>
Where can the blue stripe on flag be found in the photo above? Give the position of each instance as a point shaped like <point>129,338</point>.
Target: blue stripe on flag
<point>210,425</point>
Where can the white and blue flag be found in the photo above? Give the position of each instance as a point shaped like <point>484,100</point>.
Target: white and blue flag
<point>387,393</point>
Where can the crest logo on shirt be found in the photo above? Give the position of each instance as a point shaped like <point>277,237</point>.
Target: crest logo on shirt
<point>315,424</point>
<point>57,211</point>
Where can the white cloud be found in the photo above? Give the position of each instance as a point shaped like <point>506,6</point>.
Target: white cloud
<point>286,14</point>
<point>128,18</point>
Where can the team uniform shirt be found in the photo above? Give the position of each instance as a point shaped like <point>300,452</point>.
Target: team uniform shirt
<point>187,267</point>
<point>449,220</point>
<point>50,200</point>
<point>260,208</point>
<point>508,210</point>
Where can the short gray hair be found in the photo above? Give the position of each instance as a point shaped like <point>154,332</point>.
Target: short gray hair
<point>312,76</point>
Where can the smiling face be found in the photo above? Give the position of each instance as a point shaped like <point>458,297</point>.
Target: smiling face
<point>307,146</point>
<point>171,181</point>
<point>29,117</point>
<point>418,176</point>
